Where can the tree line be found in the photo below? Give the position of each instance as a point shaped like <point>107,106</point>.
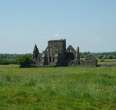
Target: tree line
<point>6,59</point>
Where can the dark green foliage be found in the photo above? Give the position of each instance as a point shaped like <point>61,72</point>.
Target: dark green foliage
<point>6,59</point>
<point>25,61</point>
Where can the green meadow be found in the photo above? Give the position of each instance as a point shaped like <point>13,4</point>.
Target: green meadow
<point>61,88</point>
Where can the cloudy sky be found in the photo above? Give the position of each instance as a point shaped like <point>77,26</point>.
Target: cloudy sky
<point>91,24</point>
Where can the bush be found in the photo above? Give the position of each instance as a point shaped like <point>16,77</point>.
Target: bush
<point>25,61</point>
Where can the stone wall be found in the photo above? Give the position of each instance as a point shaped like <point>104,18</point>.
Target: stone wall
<point>56,52</point>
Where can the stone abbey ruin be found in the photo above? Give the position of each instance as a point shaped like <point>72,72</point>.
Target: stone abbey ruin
<point>56,54</point>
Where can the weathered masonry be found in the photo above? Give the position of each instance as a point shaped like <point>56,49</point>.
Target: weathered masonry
<point>56,54</point>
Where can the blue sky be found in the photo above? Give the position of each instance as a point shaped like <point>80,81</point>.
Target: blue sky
<point>91,24</point>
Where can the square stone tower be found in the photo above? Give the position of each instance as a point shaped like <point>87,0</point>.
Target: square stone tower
<point>57,52</point>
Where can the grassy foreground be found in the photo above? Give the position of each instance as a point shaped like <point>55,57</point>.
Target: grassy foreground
<point>64,88</point>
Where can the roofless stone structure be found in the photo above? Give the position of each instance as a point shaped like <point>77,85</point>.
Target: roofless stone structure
<point>56,54</point>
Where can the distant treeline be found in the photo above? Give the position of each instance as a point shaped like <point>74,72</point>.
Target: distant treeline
<point>14,58</point>
<point>104,55</point>
<point>6,59</point>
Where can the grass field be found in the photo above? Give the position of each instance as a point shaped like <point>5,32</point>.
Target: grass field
<point>63,88</point>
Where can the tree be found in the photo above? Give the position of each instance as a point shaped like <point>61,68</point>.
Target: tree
<point>25,61</point>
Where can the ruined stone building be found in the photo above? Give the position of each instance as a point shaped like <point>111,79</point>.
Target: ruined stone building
<point>56,54</point>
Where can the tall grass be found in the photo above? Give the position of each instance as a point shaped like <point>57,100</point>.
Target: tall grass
<point>63,88</point>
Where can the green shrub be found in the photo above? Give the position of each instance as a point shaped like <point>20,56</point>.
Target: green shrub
<point>25,61</point>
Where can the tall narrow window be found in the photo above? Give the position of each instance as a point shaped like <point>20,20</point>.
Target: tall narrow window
<point>53,59</point>
<point>50,59</point>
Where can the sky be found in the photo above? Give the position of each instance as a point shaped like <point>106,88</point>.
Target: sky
<point>90,24</point>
